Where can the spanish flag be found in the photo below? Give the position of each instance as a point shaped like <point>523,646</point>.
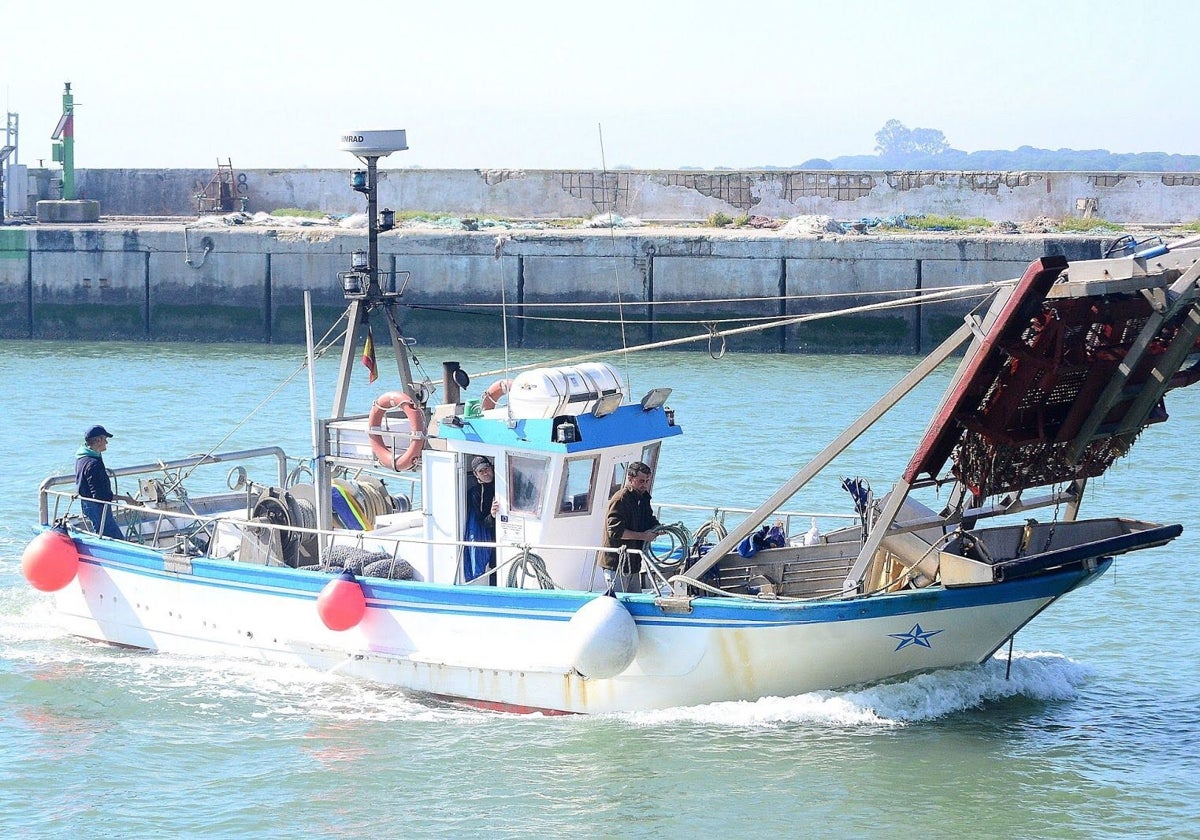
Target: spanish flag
<point>368,356</point>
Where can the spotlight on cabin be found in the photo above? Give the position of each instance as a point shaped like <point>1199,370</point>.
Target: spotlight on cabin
<point>655,398</point>
<point>607,404</point>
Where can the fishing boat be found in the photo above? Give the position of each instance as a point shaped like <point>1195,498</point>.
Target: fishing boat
<point>351,558</point>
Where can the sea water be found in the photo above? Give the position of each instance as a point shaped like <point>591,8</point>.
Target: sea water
<point>1091,730</point>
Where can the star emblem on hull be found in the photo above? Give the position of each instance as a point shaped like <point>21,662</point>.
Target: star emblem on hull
<point>915,636</point>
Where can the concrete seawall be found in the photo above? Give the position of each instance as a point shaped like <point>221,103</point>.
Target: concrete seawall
<point>1124,197</point>
<point>169,283</point>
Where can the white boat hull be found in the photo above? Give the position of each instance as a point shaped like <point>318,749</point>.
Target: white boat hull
<point>507,648</point>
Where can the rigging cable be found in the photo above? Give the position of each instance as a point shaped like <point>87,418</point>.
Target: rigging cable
<point>915,292</point>
<point>612,238</point>
<point>773,324</point>
<point>320,351</point>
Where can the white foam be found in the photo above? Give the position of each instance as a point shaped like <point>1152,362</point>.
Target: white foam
<point>269,690</point>
<point>1038,675</point>
<point>27,615</point>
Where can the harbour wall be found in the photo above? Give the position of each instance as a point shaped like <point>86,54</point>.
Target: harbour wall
<point>1123,197</point>
<point>593,289</point>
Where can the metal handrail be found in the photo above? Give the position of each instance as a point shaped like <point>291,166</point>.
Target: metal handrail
<point>161,466</point>
<point>727,510</point>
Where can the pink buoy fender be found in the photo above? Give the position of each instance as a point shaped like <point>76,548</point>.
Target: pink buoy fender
<point>342,603</point>
<point>491,397</point>
<point>50,561</point>
<point>416,421</point>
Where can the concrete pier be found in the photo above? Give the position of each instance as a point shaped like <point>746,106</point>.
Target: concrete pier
<point>169,282</point>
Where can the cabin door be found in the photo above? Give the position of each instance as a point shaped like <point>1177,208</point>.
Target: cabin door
<point>443,497</point>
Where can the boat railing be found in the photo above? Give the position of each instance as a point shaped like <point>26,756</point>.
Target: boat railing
<point>220,536</point>
<point>720,516</point>
<point>172,530</point>
<point>47,488</point>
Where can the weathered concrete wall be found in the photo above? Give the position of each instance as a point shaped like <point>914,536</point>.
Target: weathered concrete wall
<point>161,282</point>
<point>1125,197</point>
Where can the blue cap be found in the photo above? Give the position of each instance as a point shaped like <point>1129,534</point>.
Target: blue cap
<point>95,432</point>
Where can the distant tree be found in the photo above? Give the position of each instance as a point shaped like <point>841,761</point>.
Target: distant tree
<point>928,141</point>
<point>896,141</point>
<point>893,139</point>
<point>815,163</point>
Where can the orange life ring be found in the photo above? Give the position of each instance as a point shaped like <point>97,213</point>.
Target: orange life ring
<point>416,420</point>
<point>491,397</point>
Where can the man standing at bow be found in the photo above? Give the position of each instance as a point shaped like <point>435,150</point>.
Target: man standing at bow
<point>93,485</point>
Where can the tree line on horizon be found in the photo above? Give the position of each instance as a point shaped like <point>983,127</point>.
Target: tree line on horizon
<point>900,147</point>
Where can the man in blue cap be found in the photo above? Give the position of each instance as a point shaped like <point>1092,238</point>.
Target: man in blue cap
<point>91,480</point>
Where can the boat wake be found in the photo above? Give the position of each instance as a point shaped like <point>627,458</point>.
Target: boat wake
<point>28,632</point>
<point>247,689</point>
<point>924,697</point>
<point>26,616</point>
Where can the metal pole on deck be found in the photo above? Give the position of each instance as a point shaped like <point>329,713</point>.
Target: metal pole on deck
<point>320,466</point>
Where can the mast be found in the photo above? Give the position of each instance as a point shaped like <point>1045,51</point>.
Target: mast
<point>363,290</point>
<point>361,284</point>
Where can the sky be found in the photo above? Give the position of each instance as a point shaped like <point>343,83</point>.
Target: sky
<point>651,84</point>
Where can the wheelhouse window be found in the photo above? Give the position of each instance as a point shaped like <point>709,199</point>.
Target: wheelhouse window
<point>649,458</point>
<point>578,483</point>
<point>526,480</point>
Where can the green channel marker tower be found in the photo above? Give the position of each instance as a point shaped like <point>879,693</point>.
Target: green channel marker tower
<point>64,150</point>
<point>69,209</point>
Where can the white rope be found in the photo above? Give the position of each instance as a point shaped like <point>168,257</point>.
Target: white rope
<point>958,292</point>
<point>706,301</point>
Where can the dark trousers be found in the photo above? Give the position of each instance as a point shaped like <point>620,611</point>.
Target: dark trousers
<point>99,513</point>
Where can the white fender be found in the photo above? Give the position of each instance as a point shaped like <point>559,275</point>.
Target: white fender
<point>602,638</point>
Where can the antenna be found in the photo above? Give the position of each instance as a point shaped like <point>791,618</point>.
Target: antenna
<point>369,147</point>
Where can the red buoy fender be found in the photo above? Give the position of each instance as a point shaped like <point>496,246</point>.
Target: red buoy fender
<point>50,561</point>
<point>342,604</point>
<point>491,397</point>
<point>416,421</point>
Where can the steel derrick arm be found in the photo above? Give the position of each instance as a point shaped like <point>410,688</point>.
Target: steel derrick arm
<point>885,403</point>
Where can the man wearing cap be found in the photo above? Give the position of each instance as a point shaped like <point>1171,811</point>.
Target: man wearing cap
<point>482,507</point>
<point>91,480</point>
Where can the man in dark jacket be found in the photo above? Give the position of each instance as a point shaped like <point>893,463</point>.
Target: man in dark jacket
<point>630,523</point>
<point>91,481</point>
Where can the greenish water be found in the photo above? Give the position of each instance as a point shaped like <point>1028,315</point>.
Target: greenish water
<point>1096,733</point>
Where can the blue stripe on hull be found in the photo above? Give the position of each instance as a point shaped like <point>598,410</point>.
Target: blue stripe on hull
<point>559,605</point>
